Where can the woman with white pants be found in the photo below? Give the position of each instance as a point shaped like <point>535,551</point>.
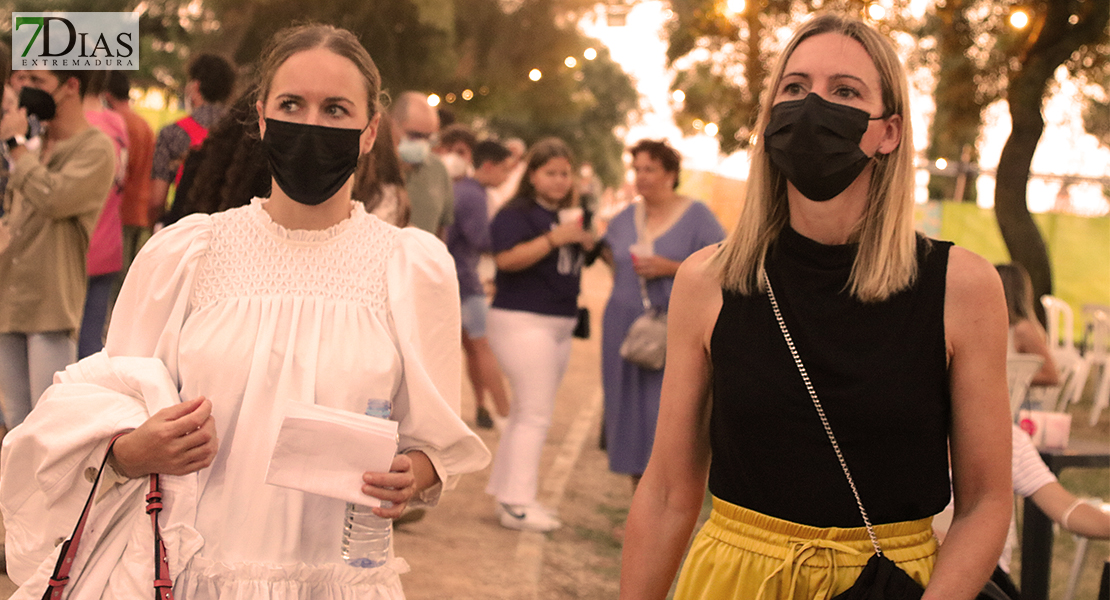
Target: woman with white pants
<point>539,261</point>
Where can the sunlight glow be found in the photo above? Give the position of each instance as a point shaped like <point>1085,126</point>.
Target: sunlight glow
<point>734,7</point>
<point>1019,19</point>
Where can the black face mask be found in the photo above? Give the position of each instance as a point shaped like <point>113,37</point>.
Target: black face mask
<point>38,103</point>
<point>310,162</point>
<point>815,143</point>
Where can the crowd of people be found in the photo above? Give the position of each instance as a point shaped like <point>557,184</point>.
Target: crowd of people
<point>832,376</point>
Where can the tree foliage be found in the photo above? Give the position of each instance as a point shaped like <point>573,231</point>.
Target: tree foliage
<point>721,59</point>
<point>436,46</point>
<point>1062,31</point>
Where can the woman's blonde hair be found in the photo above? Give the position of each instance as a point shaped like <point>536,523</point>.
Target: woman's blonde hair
<point>886,262</point>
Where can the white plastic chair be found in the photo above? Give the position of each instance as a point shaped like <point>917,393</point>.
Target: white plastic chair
<point>1081,552</point>
<point>1098,355</point>
<point>1070,364</point>
<point>1020,369</point>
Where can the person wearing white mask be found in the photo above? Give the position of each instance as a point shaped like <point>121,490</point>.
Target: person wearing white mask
<point>427,182</point>
<point>456,150</point>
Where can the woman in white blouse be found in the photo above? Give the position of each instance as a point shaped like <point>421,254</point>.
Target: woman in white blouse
<point>301,297</point>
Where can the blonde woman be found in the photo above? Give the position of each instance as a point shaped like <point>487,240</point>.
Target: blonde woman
<point>904,340</point>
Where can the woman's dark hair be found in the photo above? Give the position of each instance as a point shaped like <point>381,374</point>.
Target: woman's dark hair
<point>5,64</point>
<point>1018,290</point>
<point>232,167</point>
<point>662,152</point>
<point>538,156</point>
<point>214,75</point>
<point>379,167</point>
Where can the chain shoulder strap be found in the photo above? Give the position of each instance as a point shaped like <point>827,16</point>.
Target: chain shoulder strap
<point>821,413</point>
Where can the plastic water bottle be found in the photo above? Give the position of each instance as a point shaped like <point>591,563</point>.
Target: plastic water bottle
<point>366,536</point>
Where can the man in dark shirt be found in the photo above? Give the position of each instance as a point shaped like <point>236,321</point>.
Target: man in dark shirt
<point>211,80</point>
<point>467,238</point>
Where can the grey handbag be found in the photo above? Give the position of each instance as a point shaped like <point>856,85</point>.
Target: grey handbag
<point>645,344</point>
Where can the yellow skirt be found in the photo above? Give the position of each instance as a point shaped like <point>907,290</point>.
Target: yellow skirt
<point>743,555</point>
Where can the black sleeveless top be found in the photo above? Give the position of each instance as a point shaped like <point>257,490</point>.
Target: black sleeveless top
<point>879,370</point>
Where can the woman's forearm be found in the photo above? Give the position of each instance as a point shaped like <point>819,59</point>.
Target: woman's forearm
<point>525,254</point>
<point>656,535</point>
<point>970,551</point>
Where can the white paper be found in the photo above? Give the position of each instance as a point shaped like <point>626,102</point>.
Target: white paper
<point>325,451</point>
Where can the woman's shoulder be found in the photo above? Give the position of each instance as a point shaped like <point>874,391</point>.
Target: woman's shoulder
<point>188,235</point>
<point>698,270</point>
<point>416,245</point>
<point>420,259</point>
<point>970,273</point>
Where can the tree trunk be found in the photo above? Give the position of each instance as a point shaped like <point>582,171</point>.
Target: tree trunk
<point>1056,41</point>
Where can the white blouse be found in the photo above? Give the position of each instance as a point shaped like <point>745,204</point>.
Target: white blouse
<point>252,315</point>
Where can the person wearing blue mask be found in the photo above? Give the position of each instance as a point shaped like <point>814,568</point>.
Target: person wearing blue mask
<point>823,360</point>
<point>297,301</point>
<point>431,196</point>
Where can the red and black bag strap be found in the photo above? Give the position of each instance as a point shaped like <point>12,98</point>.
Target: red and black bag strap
<point>163,582</point>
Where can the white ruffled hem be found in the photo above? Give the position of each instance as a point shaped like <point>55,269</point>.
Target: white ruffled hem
<point>205,579</point>
<point>305,235</point>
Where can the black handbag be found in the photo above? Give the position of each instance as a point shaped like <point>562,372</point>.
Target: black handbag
<point>881,578</point>
<point>582,326</point>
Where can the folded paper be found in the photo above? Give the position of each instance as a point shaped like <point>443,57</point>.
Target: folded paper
<point>325,451</point>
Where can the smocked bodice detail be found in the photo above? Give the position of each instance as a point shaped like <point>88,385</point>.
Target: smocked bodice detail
<point>251,256</point>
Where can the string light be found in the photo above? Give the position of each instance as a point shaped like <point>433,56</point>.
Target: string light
<point>570,62</point>
<point>678,95</point>
<point>711,129</point>
<point>535,74</point>
<point>1019,19</point>
<point>467,94</point>
<point>433,99</point>
<point>589,54</point>
<point>941,164</point>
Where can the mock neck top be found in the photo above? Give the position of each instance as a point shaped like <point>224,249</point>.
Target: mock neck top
<point>879,370</point>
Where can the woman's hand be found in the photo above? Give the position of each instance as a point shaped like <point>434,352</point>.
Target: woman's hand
<point>655,266</point>
<point>398,486</point>
<point>177,440</point>
<point>13,123</point>
<point>571,233</point>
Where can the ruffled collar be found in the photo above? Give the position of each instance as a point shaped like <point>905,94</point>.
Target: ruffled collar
<point>358,213</point>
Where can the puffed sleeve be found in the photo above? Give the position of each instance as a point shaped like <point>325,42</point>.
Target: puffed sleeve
<point>424,306</point>
<point>154,300</point>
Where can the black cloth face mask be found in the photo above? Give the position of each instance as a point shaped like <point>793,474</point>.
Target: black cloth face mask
<point>38,103</point>
<point>310,162</point>
<point>815,143</point>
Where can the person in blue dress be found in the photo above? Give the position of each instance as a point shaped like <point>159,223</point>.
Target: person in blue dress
<point>646,243</point>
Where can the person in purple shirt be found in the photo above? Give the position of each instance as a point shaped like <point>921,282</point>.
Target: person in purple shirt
<point>539,250</point>
<point>467,239</point>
